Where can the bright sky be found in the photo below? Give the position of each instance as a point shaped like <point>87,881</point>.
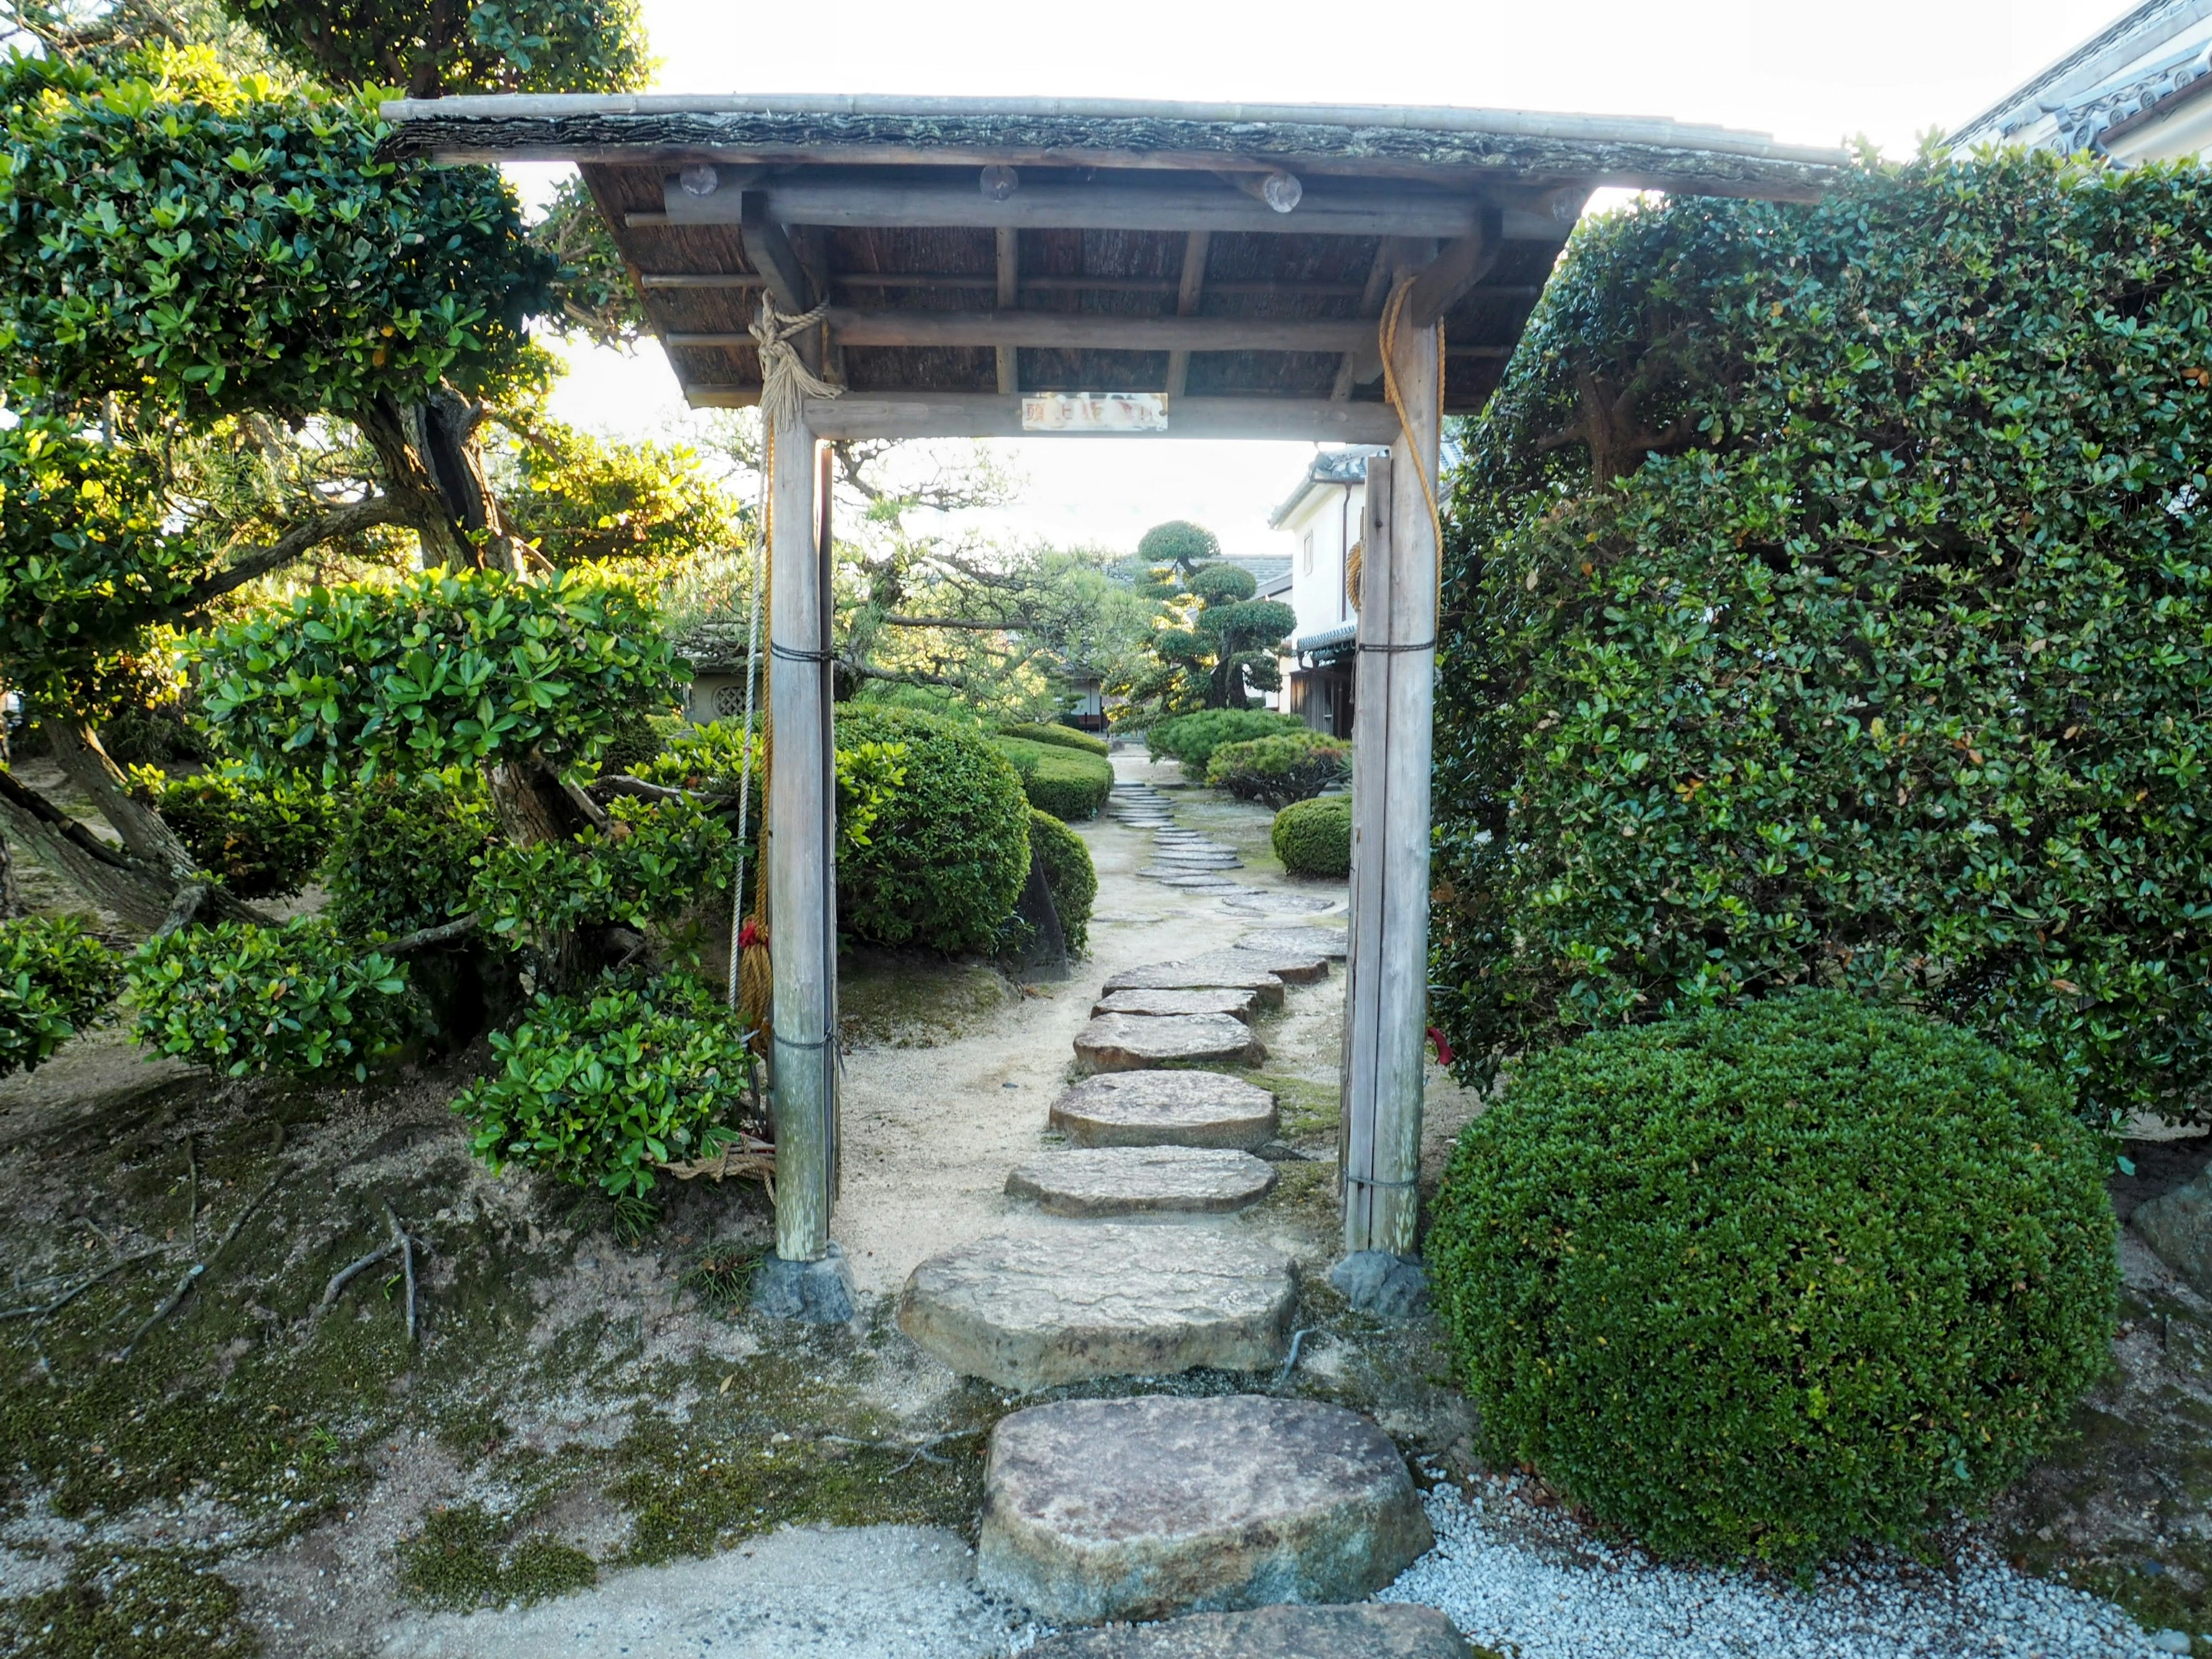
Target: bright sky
<point>1884,69</point>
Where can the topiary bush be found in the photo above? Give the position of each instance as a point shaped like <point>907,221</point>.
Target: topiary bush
<point>1070,875</point>
<point>260,838</point>
<point>1290,766</point>
<point>1192,738</point>
<point>657,860</point>
<point>404,856</point>
<point>1827,599</point>
<point>1314,837</point>
<point>1765,1283</point>
<point>949,849</point>
<point>1065,782</point>
<point>55,981</point>
<point>595,1090</point>
<point>239,998</point>
<point>1067,737</point>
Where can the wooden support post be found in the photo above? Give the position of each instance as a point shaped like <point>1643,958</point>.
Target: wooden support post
<point>1386,992</point>
<point>1195,248</point>
<point>801,881</point>
<point>1009,296</point>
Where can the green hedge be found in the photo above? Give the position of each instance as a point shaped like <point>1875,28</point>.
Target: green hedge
<point>1314,837</point>
<point>55,980</point>
<point>1192,738</point>
<point>404,856</point>
<point>1067,737</point>
<point>1275,771</point>
<point>1065,782</point>
<point>1068,871</point>
<point>1891,669</point>
<point>949,849</point>
<point>1767,1283</point>
<point>261,839</point>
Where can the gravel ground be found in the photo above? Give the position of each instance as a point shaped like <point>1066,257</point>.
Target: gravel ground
<point>1517,1578</point>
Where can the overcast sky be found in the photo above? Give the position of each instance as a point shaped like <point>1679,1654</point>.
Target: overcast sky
<point>1884,69</point>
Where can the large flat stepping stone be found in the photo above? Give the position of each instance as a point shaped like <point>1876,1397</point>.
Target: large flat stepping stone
<point>1374,1630</point>
<point>1145,1509</point>
<point>1108,1181</point>
<point>1102,1301</point>
<point>1166,1108</point>
<point>1335,942</point>
<point>1132,1042</point>
<point>1218,1001</point>
<point>1219,969</point>
<point>1293,964</point>
<point>1284,904</point>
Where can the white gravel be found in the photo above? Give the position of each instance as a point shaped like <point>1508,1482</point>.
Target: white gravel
<point>1527,1581</point>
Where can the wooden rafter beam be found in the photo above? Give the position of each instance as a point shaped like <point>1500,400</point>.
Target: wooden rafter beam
<point>986,415</point>
<point>1008,255</point>
<point>1188,286</point>
<point>769,251</point>
<point>1390,256</point>
<point>1070,331</point>
<point>985,280</point>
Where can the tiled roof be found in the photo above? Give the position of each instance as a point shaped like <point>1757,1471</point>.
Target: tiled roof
<point>1329,466</point>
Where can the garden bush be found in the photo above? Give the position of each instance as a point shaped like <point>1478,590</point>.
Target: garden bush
<point>55,980</point>
<point>1067,737</point>
<point>1070,875</point>
<point>1192,738</point>
<point>1314,837</point>
<point>949,849</point>
<point>595,1090</point>
<point>241,997</point>
<point>404,856</point>
<point>1065,782</point>
<point>1290,766</point>
<point>1827,603</point>
<point>261,839</point>
<point>656,860</point>
<point>1764,1283</point>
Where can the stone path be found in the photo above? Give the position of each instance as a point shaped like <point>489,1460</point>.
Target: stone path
<point>1163,1505</point>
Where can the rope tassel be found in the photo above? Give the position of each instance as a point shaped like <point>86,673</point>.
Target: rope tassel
<point>786,382</point>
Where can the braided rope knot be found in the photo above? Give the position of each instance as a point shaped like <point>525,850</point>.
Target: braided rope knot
<point>786,382</point>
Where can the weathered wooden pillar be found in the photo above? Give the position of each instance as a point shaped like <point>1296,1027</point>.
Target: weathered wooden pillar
<point>802,898</point>
<point>1386,992</point>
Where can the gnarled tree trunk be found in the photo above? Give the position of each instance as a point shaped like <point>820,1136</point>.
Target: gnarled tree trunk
<point>433,466</point>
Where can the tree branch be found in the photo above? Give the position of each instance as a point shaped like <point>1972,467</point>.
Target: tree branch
<point>346,520</point>
<point>423,938</point>
<point>947,622</point>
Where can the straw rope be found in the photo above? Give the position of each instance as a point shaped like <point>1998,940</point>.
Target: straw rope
<point>786,382</point>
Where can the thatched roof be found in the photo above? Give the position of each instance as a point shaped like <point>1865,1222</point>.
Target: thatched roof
<point>1232,256</point>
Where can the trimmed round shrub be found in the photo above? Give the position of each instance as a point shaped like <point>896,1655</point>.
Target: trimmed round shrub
<point>1067,737</point>
<point>596,1091</point>
<point>1223,584</point>
<point>404,856</point>
<point>1192,738</point>
<point>1314,837</point>
<point>55,980</point>
<point>1065,782</point>
<point>1275,771</point>
<point>260,838</point>
<point>948,848</point>
<point>1070,875</point>
<point>1767,1282</point>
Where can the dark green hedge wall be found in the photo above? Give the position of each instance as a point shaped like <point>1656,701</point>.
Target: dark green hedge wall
<point>1828,601</point>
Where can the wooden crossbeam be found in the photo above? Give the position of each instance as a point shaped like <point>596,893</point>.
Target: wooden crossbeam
<point>983,280</point>
<point>1072,330</point>
<point>1365,361</point>
<point>985,414</point>
<point>769,250</point>
<point>1009,253</point>
<point>1188,286</point>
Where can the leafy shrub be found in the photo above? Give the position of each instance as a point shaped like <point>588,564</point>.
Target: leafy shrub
<point>950,849</point>
<point>1314,837</point>
<point>1065,782</point>
<point>594,1091</point>
<point>1275,771</point>
<point>404,856</point>
<point>260,838</point>
<point>1887,670</point>
<point>1067,737</point>
<point>636,742</point>
<point>1767,1282</point>
<point>240,999</point>
<point>54,981</point>
<point>1192,738</point>
<point>153,735</point>
<point>709,758</point>
<point>658,858</point>
<point>1068,873</point>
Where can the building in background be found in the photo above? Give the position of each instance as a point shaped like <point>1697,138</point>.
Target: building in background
<point>2138,90</point>
<point>1320,517</point>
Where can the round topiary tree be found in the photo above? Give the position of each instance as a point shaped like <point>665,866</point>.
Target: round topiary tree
<point>947,854</point>
<point>1314,837</point>
<point>1767,1282</point>
<point>1070,875</point>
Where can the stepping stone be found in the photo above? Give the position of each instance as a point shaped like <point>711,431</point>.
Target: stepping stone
<point>1293,964</point>
<point>1102,1301</point>
<point>1197,860</point>
<point>1185,879</point>
<point>1143,1508</point>
<point>1218,1001</point>
<point>1290,904</point>
<point>1104,1180</point>
<point>1375,1630</point>
<point>1217,970</point>
<point>1132,1042</point>
<point>1166,1108</point>
<point>1330,942</point>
